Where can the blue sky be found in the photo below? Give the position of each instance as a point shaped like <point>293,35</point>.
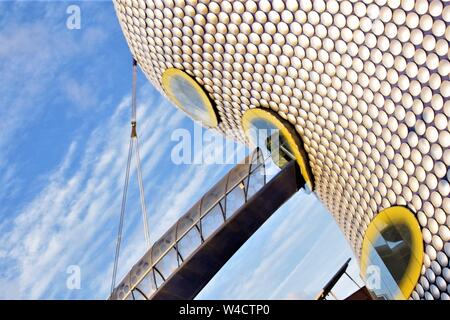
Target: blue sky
<point>64,105</point>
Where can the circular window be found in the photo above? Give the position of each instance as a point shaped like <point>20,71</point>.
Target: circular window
<point>189,96</point>
<point>267,130</point>
<point>392,254</point>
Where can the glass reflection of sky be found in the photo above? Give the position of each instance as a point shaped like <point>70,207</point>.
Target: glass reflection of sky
<point>391,253</point>
<point>190,100</point>
<point>268,137</point>
<point>388,289</point>
<point>260,131</point>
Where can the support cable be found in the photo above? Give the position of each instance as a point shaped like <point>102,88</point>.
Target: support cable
<point>137,157</point>
<point>357,285</point>
<point>142,194</point>
<point>134,141</point>
<point>122,215</point>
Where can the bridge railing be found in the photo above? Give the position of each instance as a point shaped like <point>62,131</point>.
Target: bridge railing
<point>194,228</point>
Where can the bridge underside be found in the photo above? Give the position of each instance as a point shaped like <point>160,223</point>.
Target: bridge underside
<point>208,259</point>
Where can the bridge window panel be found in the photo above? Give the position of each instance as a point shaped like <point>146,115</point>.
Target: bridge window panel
<point>257,158</point>
<point>392,254</point>
<point>158,277</point>
<point>187,94</point>
<point>257,162</point>
<point>164,244</point>
<point>213,196</point>
<point>189,243</point>
<point>238,173</point>
<point>147,284</point>
<point>168,263</point>
<point>256,181</point>
<point>212,221</point>
<point>138,296</point>
<point>187,221</point>
<point>235,199</point>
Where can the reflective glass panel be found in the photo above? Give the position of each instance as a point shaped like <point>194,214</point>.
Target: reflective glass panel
<point>188,220</point>
<point>389,256</point>
<point>212,221</point>
<point>213,195</point>
<point>147,284</point>
<point>190,100</point>
<point>235,199</point>
<point>168,263</point>
<point>255,182</point>
<point>267,136</point>
<point>189,243</point>
<point>159,280</point>
<point>237,174</point>
<point>163,244</point>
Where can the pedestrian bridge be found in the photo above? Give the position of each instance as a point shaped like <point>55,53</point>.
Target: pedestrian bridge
<point>196,247</point>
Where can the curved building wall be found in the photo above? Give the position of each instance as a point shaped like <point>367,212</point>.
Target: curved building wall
<point>364,83</point>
